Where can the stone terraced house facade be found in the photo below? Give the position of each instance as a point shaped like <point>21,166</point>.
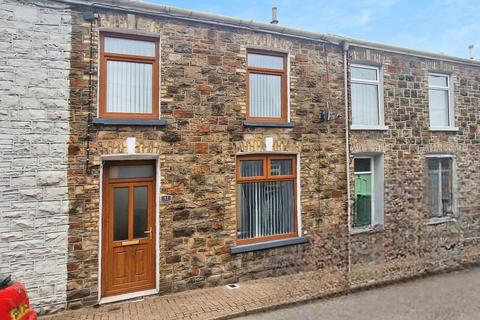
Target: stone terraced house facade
<point>170,150</point>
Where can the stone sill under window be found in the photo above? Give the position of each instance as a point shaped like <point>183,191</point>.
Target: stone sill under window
<point>129,122</point>
<point>441,220</point>
<point>268,124</point>
<point>450,129</point>
<point>369,128</point>
<point>267,245</point>
<point>367,229</point>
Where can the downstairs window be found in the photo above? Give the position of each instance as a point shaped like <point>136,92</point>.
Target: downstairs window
<point>440,186</point>
<point>266,198</point>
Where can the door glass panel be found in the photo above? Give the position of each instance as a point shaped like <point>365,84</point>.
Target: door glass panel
<point>120,214</point>
<point>137,171</point>
<point>140,212</point>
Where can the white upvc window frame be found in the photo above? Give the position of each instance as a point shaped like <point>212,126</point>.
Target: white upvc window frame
<point>442,215</point>
<point>451,107</point>
<point>372,191</point>
<point>380,96</point>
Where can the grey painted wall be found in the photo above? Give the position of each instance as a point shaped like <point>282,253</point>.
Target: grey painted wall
<point>34,90</point>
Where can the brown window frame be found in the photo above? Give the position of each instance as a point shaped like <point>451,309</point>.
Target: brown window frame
<point>277,72</point>
<point>106,56</point>
<point>267,176</point>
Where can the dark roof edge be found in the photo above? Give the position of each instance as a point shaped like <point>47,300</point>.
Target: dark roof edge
<point>197,16</point>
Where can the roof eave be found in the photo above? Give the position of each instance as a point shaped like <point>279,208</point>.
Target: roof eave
<point>203,17</point>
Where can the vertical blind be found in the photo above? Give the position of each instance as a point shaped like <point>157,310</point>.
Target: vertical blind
<point>365,104</point>
<point>265,209</point>
<point>365,96</point>
<point>265,95</point>
<point>440,193</point>
<point>129,87</point>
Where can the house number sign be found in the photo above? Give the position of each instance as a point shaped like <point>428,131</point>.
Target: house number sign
<point>166,198</point>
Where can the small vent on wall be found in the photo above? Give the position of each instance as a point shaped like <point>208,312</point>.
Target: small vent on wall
<point>232,286</point>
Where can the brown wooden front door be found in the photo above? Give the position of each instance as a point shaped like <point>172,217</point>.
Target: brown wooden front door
<point>128,263</point>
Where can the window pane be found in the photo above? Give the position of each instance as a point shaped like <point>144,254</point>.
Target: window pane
<point>281,167</point>
<point>364,74</point>
<point>129,87</point>
<point>265,209</point>
<point>365,104</point>
<point>438,103</point>
<point>137,171</point>
<point>251,168</point>
<point>129,46</point>
<point>447,191</point>
<point>434,187</point>
<point>363,200</point>
<point>265,61</point>
<point>362,165</point>
<point>140,212</point>
<point>438,80</point>
<point>120,214</point>
<point>265,95</point>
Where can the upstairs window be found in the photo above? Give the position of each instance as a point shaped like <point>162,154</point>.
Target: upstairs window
<point>440,101</point>
<point>266,198</point>
<point>440,186</point>
<point>128,76</point>
<point>267,86</point>
<point>367,97</point>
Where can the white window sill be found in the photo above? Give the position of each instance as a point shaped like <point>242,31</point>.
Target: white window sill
<point>367,229</point>
<point>440,220</point>
<point>364,127</point>
<point>452,129</point>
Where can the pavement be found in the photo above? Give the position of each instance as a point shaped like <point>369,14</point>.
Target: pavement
<point>452,296</point>
<point>218,302</point>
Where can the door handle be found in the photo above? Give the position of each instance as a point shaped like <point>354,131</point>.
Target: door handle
<point>149,233</point>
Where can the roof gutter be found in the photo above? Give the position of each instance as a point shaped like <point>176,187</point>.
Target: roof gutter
<point>212,19</point>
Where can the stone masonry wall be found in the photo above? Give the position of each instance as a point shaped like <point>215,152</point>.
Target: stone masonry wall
<point>408,244</point>
<point>202,97</point>
<point>203,90</point>
<point>34,68</point>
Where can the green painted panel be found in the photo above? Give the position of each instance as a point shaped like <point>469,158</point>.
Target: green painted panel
<point>363,200</point>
